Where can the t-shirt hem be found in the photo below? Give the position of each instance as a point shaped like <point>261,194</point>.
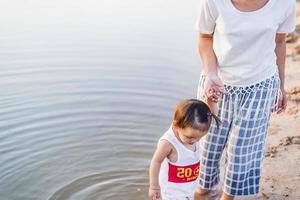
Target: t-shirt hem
<point>286,31</point>
<point>205,32</point>
<point>252,81</point>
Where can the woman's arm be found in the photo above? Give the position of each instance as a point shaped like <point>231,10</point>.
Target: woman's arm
<point>164,149</point>
<point>280,51</point>
<point>213,86</point>
<point>207,54</point>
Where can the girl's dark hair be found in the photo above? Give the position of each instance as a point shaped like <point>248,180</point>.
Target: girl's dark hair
<point>195,114</point>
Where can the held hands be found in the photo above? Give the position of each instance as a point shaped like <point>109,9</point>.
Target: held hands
<point>213,88</point>
<point>154,193</point>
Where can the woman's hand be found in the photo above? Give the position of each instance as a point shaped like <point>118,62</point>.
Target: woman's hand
<point>154,193</point>
<point>282,102</point>
<point>213,88</point>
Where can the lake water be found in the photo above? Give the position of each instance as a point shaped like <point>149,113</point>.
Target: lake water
<point>86,89</point>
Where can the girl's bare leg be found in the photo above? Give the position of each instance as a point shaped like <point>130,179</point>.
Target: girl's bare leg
<point>226,197</point>
<point>201,194</point>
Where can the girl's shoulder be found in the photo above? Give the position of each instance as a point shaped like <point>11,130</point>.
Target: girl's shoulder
<point>164,143</point>
<point>169,149</point>
<point>165,146</point>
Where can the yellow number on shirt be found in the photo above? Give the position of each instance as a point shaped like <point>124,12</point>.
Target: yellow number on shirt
<point>180,172</point>
<point>188,172</point>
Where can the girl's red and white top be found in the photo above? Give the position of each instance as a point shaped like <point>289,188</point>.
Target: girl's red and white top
<point>179,179</point>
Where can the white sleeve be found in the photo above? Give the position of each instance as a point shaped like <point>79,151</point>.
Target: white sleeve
<point>289,23</point>
<point>206,20</point>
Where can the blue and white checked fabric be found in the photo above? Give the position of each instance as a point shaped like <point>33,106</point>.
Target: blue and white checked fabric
<point>245,114</point>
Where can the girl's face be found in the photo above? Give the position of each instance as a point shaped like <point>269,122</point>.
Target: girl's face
<point>189,135</point>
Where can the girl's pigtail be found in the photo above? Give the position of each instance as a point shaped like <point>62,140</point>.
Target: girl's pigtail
<point>217,119</point>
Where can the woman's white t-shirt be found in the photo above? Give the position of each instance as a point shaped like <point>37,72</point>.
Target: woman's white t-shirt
<point>244,42</point>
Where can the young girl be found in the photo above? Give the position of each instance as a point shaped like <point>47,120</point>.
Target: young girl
<point>175,166</point>
<point>242,48</point>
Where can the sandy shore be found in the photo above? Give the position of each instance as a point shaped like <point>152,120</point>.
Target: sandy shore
<point>281,170</point>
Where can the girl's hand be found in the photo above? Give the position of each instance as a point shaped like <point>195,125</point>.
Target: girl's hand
<point>213,95</point>
<point>154,193</point>
<point>213,88</point>
<point>282,102</point>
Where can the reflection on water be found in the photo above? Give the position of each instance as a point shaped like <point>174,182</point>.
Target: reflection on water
<point>87,88</point>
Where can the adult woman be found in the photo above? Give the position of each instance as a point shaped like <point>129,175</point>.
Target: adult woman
<point>242,48</point>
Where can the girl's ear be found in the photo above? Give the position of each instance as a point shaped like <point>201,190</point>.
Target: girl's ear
<point>174,124</point>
